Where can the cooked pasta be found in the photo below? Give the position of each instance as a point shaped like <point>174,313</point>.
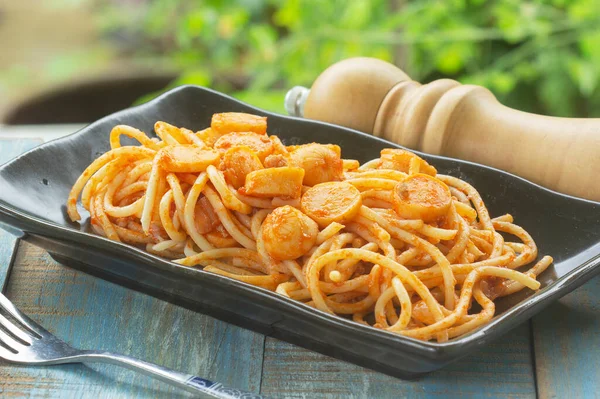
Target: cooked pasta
<point>391,244</point>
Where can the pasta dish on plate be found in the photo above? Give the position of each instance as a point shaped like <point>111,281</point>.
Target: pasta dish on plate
<point>390,243</point>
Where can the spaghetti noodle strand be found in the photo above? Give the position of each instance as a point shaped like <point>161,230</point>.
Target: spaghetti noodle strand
<point>390,242</point>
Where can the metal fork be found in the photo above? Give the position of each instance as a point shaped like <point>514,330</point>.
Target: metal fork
<point>26,342</point>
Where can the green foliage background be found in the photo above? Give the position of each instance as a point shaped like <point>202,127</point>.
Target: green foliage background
<point>541,56</point>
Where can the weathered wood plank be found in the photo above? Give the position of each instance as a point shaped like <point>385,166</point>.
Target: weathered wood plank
<point>8,150</point>
<point>91,313</point>
<point>567,345</point>
<point>502,369</point>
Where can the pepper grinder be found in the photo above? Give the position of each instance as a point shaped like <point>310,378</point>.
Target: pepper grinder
<point>447,118</point>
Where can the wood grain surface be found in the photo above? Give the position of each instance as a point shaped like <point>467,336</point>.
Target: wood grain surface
<point>567,345</point>
<point>8,150</point>
<point>91,313</point>
<point>501,370</point>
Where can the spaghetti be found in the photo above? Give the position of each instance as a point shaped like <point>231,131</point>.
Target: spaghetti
<point>390,244</point>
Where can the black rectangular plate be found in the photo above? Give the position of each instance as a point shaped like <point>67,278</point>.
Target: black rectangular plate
<point>34,189</point>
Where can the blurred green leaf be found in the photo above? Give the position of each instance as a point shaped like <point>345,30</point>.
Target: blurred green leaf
<point>539,55</point>
<point>263,38</point>
<point>198,77</point>
<point>590,44</point>
<point>502,83</point>
<point>287,15</point>
<point>356,15</point>
<point>585,74</point>
<point>583,9</point>
<point>195,22</point>
<point>557,93</point>
<point>271,100</point>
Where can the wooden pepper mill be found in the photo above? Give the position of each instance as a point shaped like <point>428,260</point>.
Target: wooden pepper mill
<point>459,121</point>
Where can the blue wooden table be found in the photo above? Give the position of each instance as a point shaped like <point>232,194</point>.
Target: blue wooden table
<point>557,354</point>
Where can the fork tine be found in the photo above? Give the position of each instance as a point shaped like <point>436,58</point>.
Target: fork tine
<point>29,324</point>
<point>14,330</point>
<point>9,342</point>
<point>6,354</point>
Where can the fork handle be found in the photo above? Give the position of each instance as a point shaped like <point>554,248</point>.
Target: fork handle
<point>188,382</point>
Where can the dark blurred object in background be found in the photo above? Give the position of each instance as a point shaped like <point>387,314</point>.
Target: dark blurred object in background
<point>539,56</point>
<point>85,102</point>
